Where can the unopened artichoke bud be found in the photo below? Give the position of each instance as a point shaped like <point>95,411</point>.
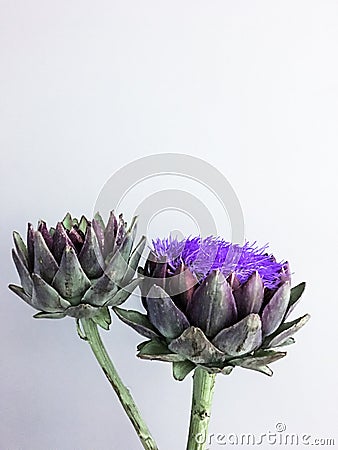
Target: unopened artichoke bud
<point>214,304</point>
<point>78,268</point>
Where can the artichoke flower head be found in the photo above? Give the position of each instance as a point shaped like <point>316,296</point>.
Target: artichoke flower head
<point>78,268</point>
<point>214,304</point>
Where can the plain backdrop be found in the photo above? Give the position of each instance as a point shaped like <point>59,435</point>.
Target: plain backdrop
<point>86,88</point>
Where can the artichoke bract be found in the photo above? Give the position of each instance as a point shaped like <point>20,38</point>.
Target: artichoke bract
<point>214,304</point>
<point>78,268</point>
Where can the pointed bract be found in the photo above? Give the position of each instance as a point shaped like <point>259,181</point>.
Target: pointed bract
<point>118,265</point>
<point>274,311</point>
<point>42,227</point>
<point>44,262</point>
<point>259,363</point>
<point>164,314</point>
<point>123,293</point>
<point>134,260</point>
<point>110,234</point>
<point>181,286</point>
<point>76,238</point>
<point>21,248</point>
<point>46,298</point>
<point>70,280</point>
<point>45,315</point>
<point>60,240</point>
<point>83,225</point>
<point>83,311</point>
<point>233,281</point>
<point>249,297</point>
<point>195,346</point>
<point>295,295</point>
<point>90,257</point>
<point>157,350</point>
<point>25,276</point>
<point>212,306</point>
<point>20,293</point>
<point>103,318</point>
<point>98,228</point>
<point>99,220</point>
<point>241,338</point>
<point>100,292</point>
<point>138,321</point>
<point>30,246</point>
<point>181,369</point>
<point>286,330</point>
<point>67,221</point>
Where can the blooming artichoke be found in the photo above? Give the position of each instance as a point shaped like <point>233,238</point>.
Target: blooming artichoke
<point>214,304</point>
<point>78,268</point>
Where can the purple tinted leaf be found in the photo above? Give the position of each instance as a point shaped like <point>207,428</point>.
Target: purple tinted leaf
<point>76,238</point>
<point>233,281</point>
<point>110,234</point>
<point>181,286</point>
<point>212,306</point>
<point>30,246</point>
<point>164,314</point>
<point>99,231</point>
<point>121,231</point>
<point>42,227</point>
<point>99,219</point>
<point>90,256</point>
<point>275,310</point>
<point>60,239</point>
<point>249,297</point>
<point>44,262</point>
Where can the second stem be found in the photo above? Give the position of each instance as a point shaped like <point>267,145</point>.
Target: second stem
<point>127,401</point>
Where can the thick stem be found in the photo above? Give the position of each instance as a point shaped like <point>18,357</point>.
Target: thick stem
<point>96,344</point>
<point>202,394</point>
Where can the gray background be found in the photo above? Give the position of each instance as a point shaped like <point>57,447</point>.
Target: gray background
<point>87,87</point>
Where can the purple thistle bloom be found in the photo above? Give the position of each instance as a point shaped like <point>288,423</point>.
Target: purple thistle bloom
<point>214,304</point>
<point>211,253</point>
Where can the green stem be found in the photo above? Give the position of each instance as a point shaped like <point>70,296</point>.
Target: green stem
<point>96,344</point>
<point>202,394</point>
